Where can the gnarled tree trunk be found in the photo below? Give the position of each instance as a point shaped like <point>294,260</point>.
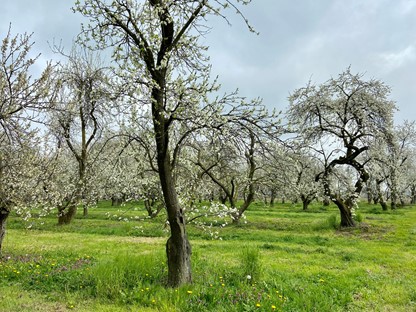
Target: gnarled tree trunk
<point>347,219</point>
<point>178,248</point>
<point>66,214</point>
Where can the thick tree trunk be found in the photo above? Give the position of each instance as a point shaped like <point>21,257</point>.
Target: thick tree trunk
<point>178,251</point>
<point>345,214</point>
<point>178,248</point>
<point>305,203</point>
<point>4,214</point>
<point>66,215</point>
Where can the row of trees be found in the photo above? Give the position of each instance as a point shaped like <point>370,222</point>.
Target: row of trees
<point>154,126</point>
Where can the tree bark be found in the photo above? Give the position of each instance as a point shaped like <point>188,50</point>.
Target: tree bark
<point>67,214</point>
<point>4,214</point>
<point>305,202</point>
<point>413,195</point>
<point>178,248</point>
<point>345,213</point>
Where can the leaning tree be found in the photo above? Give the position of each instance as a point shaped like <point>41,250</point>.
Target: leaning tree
<point>156,44</point>
<point>341,118</point>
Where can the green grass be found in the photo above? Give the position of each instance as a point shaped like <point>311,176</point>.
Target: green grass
<point>282,259</point>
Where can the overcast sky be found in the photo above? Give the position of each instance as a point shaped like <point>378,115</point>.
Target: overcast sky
<point>299,40</point>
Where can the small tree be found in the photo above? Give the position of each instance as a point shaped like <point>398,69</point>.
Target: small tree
<point>78,120</point>
<point>343,116</point>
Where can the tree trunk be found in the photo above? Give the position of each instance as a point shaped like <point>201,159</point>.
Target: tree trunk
<point>272,197</point>
<point>67,214</point>
<point>383,205</point>
<point>326,201</point>
<point>152,207</point>
<point>116,201</point>
<point>222,197</point>
<point>305,202</point>
<point>413,195</point>
<point>345,214</point>
<point>178,248</point>
<point>380,197</point>
<point>369,195</point>
<point>85,210</point>
<point>4,214</point>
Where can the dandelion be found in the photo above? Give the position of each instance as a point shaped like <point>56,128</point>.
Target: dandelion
<point>273,307</point>
<point>189,291</point>
<point>249,277</point>
<point>222,284</point>
<point>258,305</point>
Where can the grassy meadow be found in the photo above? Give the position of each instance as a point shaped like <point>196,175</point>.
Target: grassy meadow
<point>282,259</point>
